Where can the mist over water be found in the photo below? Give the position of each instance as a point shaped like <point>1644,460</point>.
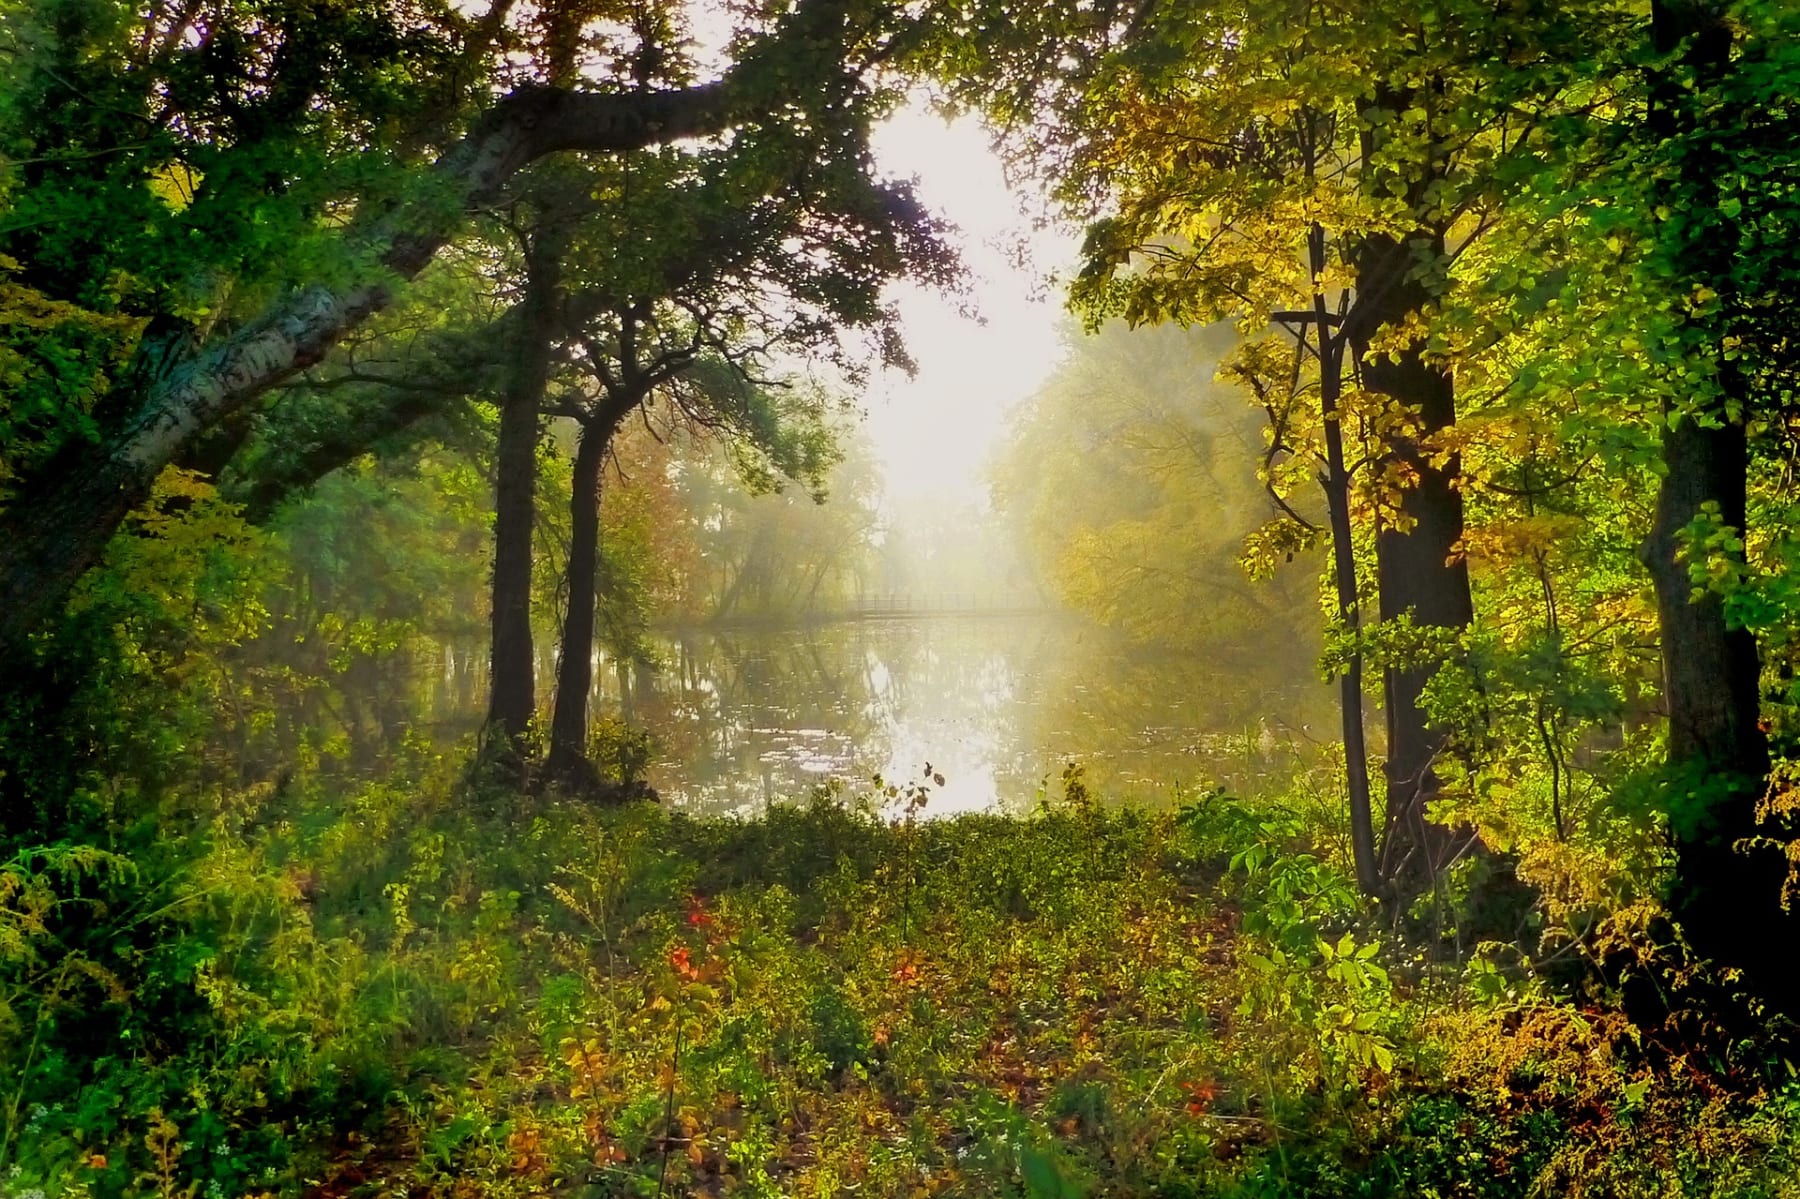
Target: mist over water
<point>1099,612</point>
<point>997,704</point>
<point>1093,608</point>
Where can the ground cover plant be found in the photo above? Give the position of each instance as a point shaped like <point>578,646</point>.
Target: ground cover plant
<point>398,990</point>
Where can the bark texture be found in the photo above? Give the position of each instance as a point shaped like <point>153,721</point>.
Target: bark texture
<point>568,759</point>
<point>513,699</point>
<point>1419,568</point>
<point>1726,893</point>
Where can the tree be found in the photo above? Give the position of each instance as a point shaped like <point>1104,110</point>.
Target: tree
<point>1633,330</point>
<point>1131,481</point>
<point>335,193</point>
<point>690,274</point>
<point>1326,344</point>
<point>1721,129</point>
<point>513,696</point>
<point>1218,136</point>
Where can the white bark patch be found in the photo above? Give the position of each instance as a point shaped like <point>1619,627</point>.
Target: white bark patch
<point>222,379</point>
<point>247,364</point>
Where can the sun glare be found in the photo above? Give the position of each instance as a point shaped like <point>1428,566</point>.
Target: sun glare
<point>934,432</point>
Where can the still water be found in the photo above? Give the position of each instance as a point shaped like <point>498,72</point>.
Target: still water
<point>997,705</point>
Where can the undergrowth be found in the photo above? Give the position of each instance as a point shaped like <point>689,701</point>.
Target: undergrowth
<point>407,989</point>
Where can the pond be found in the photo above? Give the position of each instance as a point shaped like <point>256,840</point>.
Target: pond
<point>997,705</point>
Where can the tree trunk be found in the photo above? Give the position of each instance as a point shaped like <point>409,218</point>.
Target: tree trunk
<point>1343,561</point>
<point>575,667</point>
<point>1726,897</point>
<point>513,699</point>
<point>1710,670</point>
<point>1419,568</point>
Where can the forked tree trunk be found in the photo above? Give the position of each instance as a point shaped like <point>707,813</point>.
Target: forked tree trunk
<point>1336,483</point>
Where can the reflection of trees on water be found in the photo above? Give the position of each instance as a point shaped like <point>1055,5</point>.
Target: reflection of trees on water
<point>354,713</point>
<point>745,717</point>
<point>1141,721</point>
<point>998,704</point>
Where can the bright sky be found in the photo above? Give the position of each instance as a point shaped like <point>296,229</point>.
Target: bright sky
<point>936,432</point>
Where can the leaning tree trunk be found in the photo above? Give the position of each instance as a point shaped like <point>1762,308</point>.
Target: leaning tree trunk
<point>1726,895</point>
<point>1419,567</point>
<point>1350,683</point>
<point>513,698</point>
<point>575,668</point>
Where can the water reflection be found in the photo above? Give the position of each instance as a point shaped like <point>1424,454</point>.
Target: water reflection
<point>998,705</point>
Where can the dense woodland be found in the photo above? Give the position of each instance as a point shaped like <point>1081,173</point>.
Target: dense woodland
<point>361,356</point>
